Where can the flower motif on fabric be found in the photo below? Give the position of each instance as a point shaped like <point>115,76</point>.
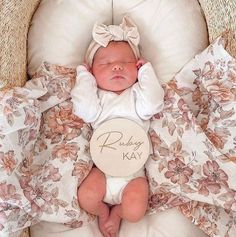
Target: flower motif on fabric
<point>7,162</point>
<point>9,192</point>
<point>158,200</point>
<point>218,137</point>
<point>61,122</point>
<point>178,172</point>
<point>215,179</point>
<point>65,152</point>
<point>230,200</point>
<point>81,169</point>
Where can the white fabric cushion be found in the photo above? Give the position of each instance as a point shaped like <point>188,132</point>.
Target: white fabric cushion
<point>172,32</point>
<point>60,31</point>
<point>156,225</point>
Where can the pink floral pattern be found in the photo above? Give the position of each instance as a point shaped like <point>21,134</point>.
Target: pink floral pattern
<point>194,153</point>
<point>50,148</point>
<point>7,162</point>
<point>178,172</point>
<point>194,143</point>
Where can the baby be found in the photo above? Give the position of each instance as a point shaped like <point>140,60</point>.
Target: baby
<point>115,82</point>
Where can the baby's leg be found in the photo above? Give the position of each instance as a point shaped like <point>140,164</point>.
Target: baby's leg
<point>133,205</point>
<point>90,196</point>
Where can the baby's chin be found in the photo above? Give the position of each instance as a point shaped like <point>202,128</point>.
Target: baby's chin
<point>114,91</point>
<point>117,90</point>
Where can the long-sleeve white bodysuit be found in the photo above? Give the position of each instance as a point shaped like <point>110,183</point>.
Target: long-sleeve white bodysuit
<point>139,102</point>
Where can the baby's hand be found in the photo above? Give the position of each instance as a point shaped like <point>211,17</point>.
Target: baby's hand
<point>87,66</point>
<point>140,62</point>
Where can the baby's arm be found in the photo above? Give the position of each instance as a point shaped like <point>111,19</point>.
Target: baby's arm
<point>86,103</point>
<point>149,92</point>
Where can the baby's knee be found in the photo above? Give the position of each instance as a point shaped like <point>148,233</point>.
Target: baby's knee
<point>134,212</point>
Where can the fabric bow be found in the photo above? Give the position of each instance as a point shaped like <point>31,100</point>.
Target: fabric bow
<point>103,34</point>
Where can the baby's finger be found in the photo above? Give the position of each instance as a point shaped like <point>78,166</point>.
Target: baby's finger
<point>140,62</point>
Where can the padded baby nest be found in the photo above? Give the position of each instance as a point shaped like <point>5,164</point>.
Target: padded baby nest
<point>220,18</point>
<point>15,21</point>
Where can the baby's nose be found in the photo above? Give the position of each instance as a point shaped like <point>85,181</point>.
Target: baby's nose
<point>117,67</point>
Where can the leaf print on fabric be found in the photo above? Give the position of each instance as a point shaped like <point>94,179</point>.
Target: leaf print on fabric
<point>51,173</point>
<point>81,169</point>
<point>156,142</point>
<point>158,200</point>
<point>9,192</point>
<point>161,200</point>
<point>28,167</point>
<point>15,103</point>
<point>74,223</point>
<point>176,151</point>
<point>53,70</point>
<point>30,117</point>
<point>3,219</point>
<point>171,128</point>
<point>75,215</point>
<point>229,199</point>
<point>203,215</point>
<point>58,86</point>
<point>62,123</point>
<point>216,138</point>
<point>57,80</point>
<point>221,94</point>
<point>27,136</point>
<point>43,197</point>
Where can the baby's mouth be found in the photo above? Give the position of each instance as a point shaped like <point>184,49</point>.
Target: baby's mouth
<point>117,77</point>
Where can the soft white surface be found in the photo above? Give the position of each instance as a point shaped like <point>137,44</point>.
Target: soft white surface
<point>172,31</point>
<point>170,223</point>
<point>60,30</point>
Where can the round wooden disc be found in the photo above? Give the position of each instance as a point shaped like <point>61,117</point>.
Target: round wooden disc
<point>119,147</point>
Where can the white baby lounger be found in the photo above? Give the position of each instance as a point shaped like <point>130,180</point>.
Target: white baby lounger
<point>172,32</point>
<point>48,146</point>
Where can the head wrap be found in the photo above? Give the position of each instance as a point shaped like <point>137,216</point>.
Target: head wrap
<point>103,34</point>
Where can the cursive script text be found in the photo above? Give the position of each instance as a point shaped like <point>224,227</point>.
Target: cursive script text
<point>111,139</point>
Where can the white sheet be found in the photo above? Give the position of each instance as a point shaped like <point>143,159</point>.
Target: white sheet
<point>170,223</point>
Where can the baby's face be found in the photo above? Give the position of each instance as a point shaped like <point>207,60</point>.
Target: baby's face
<point>114,67</point>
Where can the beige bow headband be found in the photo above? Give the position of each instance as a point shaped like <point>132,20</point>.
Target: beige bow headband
<point>103,34</point>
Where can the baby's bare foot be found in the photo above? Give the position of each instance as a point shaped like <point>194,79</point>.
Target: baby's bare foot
<point>102,219</point>
<point>112,224</point>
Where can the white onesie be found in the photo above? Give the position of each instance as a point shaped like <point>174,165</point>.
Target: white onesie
<point>138,103</point>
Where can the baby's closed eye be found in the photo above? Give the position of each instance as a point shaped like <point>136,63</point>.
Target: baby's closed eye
<point>109,63</point>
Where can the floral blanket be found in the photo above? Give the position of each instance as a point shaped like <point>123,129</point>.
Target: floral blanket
<point>44,148</point>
